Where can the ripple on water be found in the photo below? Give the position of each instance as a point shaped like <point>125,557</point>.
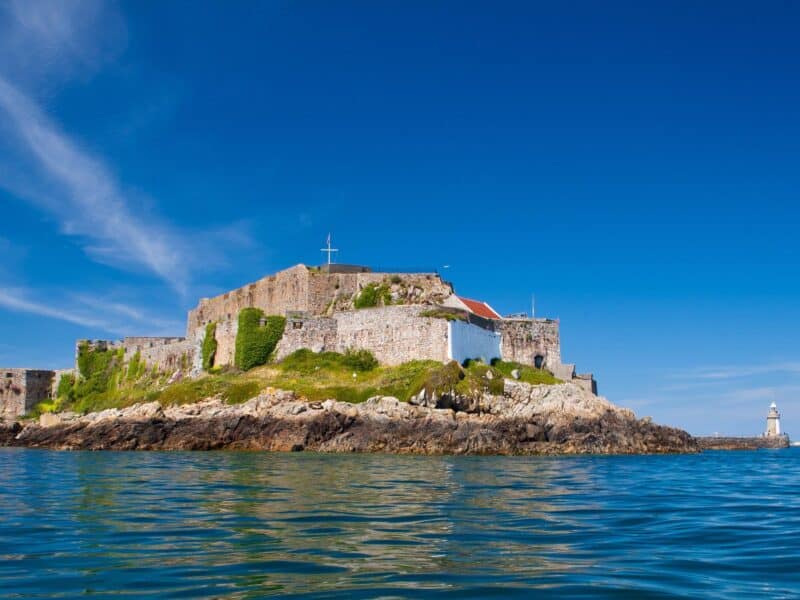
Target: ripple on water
<point>232,524</point>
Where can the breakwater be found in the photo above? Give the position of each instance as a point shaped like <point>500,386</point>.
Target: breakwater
<point>743,443</point>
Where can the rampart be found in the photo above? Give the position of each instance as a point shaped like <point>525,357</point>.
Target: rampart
<point>530,341</point>
<point>22,389</point>
<point>319,304</point>
<point>167,354</point>
<point>394,334</point>
<point>316,292</point>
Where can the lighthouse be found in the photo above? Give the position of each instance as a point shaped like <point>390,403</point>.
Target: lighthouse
<point>773,421</point>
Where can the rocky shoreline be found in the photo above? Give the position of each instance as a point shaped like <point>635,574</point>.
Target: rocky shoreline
<point>526,419</point>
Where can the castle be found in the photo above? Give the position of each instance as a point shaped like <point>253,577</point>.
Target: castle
<point>397,316</point>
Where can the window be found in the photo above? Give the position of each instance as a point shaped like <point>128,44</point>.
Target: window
<point>538,361</point>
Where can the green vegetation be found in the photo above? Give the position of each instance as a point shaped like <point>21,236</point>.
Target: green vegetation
<point>107,382</point>
<point>396,279</point>
<point>256,341</point>
<point>209,349</point>
<point>136,367</point>
<point>443,313</point>
<point>527,373</point>
<point>350,377</point>
<point>373,295</point>
<point>66,388</point>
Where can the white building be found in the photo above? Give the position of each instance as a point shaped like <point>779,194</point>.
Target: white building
<point>773,421</point>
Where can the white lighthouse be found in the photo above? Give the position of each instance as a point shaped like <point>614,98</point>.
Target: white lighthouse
<point>773,421</point>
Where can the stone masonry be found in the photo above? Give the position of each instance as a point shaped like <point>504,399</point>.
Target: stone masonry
<point>319,306</point>
<point>315,292</point>
<point>22,389</point>
<point>394,334</point>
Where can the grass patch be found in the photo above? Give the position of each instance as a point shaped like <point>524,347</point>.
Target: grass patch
<point>351,377</point>
<point>527,373</point>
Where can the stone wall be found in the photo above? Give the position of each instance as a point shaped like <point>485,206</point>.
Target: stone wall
<point>167,354</point>
<point>394,334</point>
<point>587,382</point>
<point>523,340</point>
<point>275,295</point>
<point>22,389</point>
<point>226,341</point>
<point>315,292</point>
<point>314,333</point>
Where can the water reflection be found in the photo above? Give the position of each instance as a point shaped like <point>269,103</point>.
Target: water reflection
<point>249,524</point>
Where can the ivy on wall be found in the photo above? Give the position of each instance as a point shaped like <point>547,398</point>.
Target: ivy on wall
<point>257,337</point>
<point>99,369</point>
<point>209,349</point>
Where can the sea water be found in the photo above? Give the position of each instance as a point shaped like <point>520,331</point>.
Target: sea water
<point>253,524</point>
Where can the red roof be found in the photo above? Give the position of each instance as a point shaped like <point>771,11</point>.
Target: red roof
<point>480,308</point>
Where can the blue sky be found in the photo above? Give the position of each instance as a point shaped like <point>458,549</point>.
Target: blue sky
<point>632,164</point>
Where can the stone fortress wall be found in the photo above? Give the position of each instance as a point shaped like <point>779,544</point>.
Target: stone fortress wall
<point>22,389</point>
<point>313,291</point>
<point>319,306</point>
<point>320,311</point>
<point>394,334</point>
<point>167,354</point>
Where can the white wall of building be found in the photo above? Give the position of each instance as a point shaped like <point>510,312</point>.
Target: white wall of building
<point>470,341</point>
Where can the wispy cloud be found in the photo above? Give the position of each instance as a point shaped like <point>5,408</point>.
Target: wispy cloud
<point>726,372</point>
<point>18,300</point>
<point>58,40</point>
<point>101,314</point>
<point>92,205</point>
<point>43,164</point>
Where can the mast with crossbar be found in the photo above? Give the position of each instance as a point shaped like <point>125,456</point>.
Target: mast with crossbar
<point>329,250</point>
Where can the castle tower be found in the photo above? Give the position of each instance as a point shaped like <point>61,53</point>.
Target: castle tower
<point>773,421</point>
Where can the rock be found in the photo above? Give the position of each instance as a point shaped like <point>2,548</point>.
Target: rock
<point>526,419</point>
<point>489,375</point>
<point>515,373</point>
<point>49,419</point>
<point>175,377</point>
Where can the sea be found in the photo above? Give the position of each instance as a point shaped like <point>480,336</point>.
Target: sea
<point>303,525</point>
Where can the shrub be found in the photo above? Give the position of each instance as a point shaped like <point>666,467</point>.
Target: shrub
<point>371,295</point>
<point>396,279</point>
<point>306,362</point>
<point>66,387</point>
<point>254,341</point>
<point>359,360</point>
<point>209,349</point>
<point>442,380</point>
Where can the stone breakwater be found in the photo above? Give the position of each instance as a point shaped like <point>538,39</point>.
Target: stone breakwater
<point>743,443</point>
<point>561,419</point>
